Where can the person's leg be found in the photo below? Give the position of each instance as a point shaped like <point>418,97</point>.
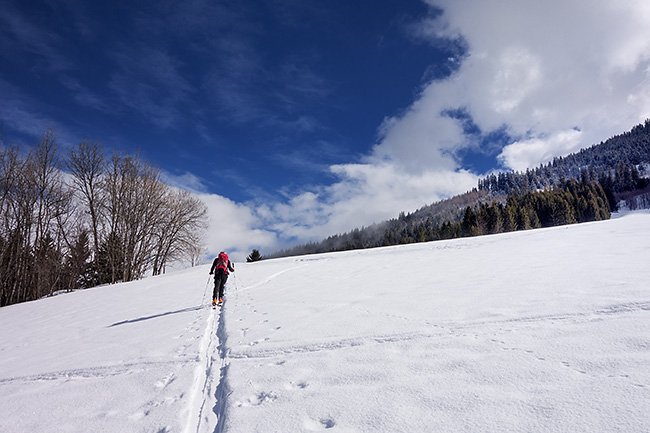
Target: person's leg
<point>222,285</point>
<point>217,284</point>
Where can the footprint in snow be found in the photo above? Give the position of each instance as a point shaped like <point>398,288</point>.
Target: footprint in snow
<point>256,342</point>
<point>291,386</point>
<point>323,423</point>
<point>258,400</point>
<point>162,383</point>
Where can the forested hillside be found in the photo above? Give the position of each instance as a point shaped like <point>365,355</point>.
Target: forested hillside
<point>619,163</point>
<point>583,186</point>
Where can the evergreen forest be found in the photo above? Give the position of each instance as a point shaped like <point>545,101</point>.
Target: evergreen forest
<point>584,186</point>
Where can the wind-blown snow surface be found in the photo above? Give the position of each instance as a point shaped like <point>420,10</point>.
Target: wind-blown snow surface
<point>544,330</point>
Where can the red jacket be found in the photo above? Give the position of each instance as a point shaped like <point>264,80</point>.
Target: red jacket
<point>225,264</point>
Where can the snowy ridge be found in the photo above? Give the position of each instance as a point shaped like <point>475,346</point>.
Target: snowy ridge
<point>544,330</point>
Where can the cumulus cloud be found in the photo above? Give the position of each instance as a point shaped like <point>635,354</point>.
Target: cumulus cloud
<point>234,228</point>
<point>375,192</point>
<point>542,70</point>
<point>363,194</point>
<point>524,154</point>
<point>555,76</point>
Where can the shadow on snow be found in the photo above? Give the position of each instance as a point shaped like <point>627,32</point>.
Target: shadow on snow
<point>140,319</point>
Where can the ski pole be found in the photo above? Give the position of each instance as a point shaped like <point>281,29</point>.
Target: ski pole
<point>206,290</point>
<point>236,288</point>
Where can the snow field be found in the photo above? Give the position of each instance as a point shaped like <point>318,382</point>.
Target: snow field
<point>115,358</point>
<point>544,330</point>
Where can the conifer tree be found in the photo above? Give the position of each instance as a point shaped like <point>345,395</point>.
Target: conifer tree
<point>254,256</point>
<point>523,220</point>
<point>79,270</point>
<point>469,226</point>
<point>510,217</point>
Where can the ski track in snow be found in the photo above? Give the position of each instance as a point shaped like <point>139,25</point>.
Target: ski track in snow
<point>102,372</point>
<point>209,391</point>
<point>445,329</point>
<point>467,330</point>
<point>222,392</point>
<point>277,274</point>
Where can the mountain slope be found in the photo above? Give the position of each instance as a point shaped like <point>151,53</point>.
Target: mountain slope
<point>543,330</point>
<point>618,164</point>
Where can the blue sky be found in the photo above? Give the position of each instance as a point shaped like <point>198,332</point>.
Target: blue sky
<point>295,120</point>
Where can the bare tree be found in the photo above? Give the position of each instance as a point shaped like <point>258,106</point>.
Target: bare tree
<point>16,226</point>
<point>196,248</point>
<point>86,164</point>
<point>135,221</point>
<point>184,218</point>
<point>135,197</point>
<point>52,207</point>
<point>33,205</point>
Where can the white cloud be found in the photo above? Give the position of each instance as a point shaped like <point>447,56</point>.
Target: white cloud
<point>364,194</point>
<point>187,181</point>
<point>232,227</point>
<point>235,228</point>
<point>19,31</point>
<point>370,193</point>
<point>517,77</point>
<point>529,153</point>
<point>541,69</point>
<point>423,138</point>
<point>25,116</point>
<point>556,75</point>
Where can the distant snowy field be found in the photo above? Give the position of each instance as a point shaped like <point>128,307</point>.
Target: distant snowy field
<point>544,330</point>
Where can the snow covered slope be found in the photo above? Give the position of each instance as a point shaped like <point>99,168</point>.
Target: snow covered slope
<point>544,330</point>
